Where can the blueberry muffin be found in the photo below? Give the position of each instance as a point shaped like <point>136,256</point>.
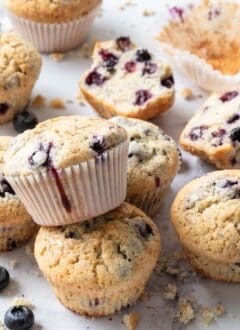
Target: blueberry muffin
<point>20,65</point>
<point>53,25</point>
<point>16,225</point>
<point>127,81</point>
<point>214,131</point>
<point>153,161</point>
<point>99,266</point>
<point>69,169</point>
<point>206,217</point>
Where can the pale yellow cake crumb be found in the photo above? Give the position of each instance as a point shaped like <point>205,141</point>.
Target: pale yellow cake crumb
<point>207,315</point>
<point>131,320</point>
<point>12,263</point>
<point>170,291</point>
<point>149,12</point>
<point>19,301</point>
<point>127,3</point>
<point>39,101</point>
<point>188,94</point>
<point>57,56</point>
<point>219,310</point>
<point>57,103</point>
<point>1,326</point>
<point>185,312</point>
<point>81,99</point>
<point>85,51</point>
<point>29,249</point>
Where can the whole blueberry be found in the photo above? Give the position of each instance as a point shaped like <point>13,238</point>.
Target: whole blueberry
<point>142,55</point>
<point>123,43</point>
<point>4,278</point>
<point>24,120</point>
<point>5,188</point>
<point>235,134</point>
<point>19,318</point>
<point>168,82</point>
<point>3,108</point>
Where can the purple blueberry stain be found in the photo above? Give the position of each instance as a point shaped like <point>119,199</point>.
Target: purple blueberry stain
<point>233,118</point>
<point>95,78</point>
<point>109,60</point>
<point>197,132</point>
<point>177,13</point>
<point>235,135</point>
<point>98,144</point>
<point>95,302</point>
<point>168,82</point>
<point>142,55</point>
<point>213,13</point>
<point>123,43</point>
<point>219,135</point>
<point>144,229</point>
<point>5,188</point>
<point>142,96</point>
<point>149,68</point>
<point>4,108</point>
<point>229,96</point>
<point>130,66</point>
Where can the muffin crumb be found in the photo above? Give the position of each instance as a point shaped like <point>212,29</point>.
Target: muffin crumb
<point>185,312</point>
<point>13,264</point>
<point>188,94</point>
<point>57,57</point>
<point>39,101</point>
<point>131,320</point>
<point>81,99</point>
<point>19,301</point>
<point>149,12</point>
<point>127,3</point>
<point>170,291</point>
<point>219,310</point>
<point>57,103</point>
<point>207,315</point>
<point>29,249</point>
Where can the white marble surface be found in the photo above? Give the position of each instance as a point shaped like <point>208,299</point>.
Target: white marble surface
<point>61,80</point>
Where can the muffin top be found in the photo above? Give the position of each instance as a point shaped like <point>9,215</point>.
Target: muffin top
<point>61,142</point>
<point>20,64</point>
<point>214,130</point>
<point>206,215</point>
<point>51,11</point>
<point>153,157</point>
<point>209,31</point>
<point>12,210</point>
<point>101,252</point>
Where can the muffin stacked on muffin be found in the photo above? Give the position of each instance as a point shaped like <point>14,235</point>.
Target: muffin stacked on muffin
<point>20,68</point>
<point>53,25</point>
<point>16,225</point>
<point>153,161</point>
<point>127,81</point>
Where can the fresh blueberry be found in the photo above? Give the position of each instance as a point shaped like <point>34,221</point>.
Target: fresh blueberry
<point>24,120</point>
<point>109,60</point>
<point>98,144</point>
<point>142,55</point>
<point>19,318</point>
<point>235,134</point>
<point>168,82</point>
<point>233,118</point>
<point>142,96</point>
<point>5,188</point>
<point>4,278</point>
<point>228,96</point>
<point>149,68</point>
<point>197,132</point>
<point>123,43</point>
<point>144,229</point>
<point>130,66</point>
<point>95,78</point>
<point>3,108</point>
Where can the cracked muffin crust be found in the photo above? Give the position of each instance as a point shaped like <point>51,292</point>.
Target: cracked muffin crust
<point>20,65</point>
<point>128,81</point>
<point>51,11</point>
<point>205,215</point>
<point>214,131</point>
<point>99,266</point>
<point>153,161</point>
<point>16,225</point>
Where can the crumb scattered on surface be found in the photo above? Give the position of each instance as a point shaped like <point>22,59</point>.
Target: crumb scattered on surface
<point>57,57</point>
<point>207,315</point>
<point>188,94</point>
<point>19,301</point>
<point>29,249</point>
<point>85,51</point>
<point>81,99</point>
<point>57,103</point>
<point>219,310</point>
<point>13,263</point>
<point>145,295</point>
<point>100,12</point>
<point>1,326</point>
<point>131,320</point>
<point>185,312</point>
<point>39,101</point>
<point>149,12</point>
<point>127,3</point>
<point>170,291</point>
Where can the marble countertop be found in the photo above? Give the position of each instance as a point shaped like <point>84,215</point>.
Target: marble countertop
<point>60,79</point>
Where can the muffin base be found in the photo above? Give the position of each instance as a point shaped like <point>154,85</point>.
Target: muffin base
<point>57,37</point>
<point>16,235</point>
<point>226,272</point>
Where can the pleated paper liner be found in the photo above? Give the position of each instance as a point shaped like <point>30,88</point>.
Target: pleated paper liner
<point>77,193</point>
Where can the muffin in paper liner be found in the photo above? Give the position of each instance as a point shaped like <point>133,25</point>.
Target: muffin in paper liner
<point>54,37</point>
<point>77,193</point>
<point>204,43</point>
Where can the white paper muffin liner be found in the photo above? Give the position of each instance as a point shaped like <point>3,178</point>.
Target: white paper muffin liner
<point>91,188</point>
<point>54,37</point>
<point>200,72</point>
